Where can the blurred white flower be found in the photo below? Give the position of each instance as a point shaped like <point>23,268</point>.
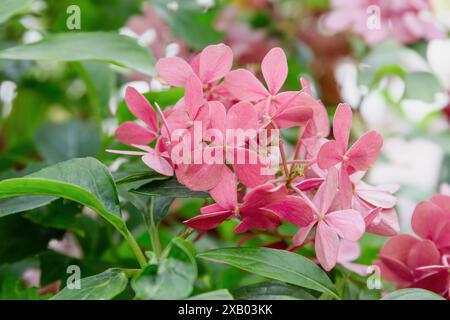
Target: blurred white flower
<point>8,92</point>
<point>31,36</point>
<point>445,189</point>
<point>438,54</point>
<point>415,163</point>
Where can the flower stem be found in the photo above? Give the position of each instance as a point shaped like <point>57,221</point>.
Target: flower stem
<point>135,248</point>
<point>152,228</point>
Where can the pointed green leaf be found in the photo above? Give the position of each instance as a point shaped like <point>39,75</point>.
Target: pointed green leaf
<point>103,286</point>
<point>271,290</point>
<point>412,294</point>
<point>80,46</point>
<point>8,8</point>
<point>222,294</point>
<point>169,188</point>
<point>275,264</point>
<point>171,278</point>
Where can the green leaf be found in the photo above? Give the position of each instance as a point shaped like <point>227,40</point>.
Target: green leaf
<point>8,8</point>
<point>222,294</point>
<point>20,238</point>
<point>20,204</point>
<point>275,264</point>
<point>80,46</point>
<point>99,79</point>
<point>421,86</point>
<point>103,286</point>
<point>141,177</point>
<point>190,22</point>
<point>83,180</point>
<point>161,209</point>
<point>170,188</point>
<point>412,294</point>
<point>271,290</point>
<point>171,278</point>
<point>57,142</point>
<point>60,214</point>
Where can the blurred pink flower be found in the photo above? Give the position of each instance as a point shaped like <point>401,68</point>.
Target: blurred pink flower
<point>404,21</point>
<point>153,32</point>
<point>422,262</point>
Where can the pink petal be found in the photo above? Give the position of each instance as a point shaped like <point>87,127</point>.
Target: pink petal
<point>243,85</point>
<point>208,221</point>
<point>293,210</point>
<point>385,223</point>
<point>263,219</point>
<point>342,124</point>
<point>442,201</point>
<point>345,189</point>
<point>306,87</point>
<point>357,268</point>
<point>423,254</point>
<point>300,237</point>
<point>193,97</point>
<point>329,155</point>
<point>275,69</point>
<point>212,208</point>
<point>365,151</point>
<point>158,163</point>
<point>427,220</point>
<point>349,224</point>
<point>398,247</point>
<point>438,282</point>
<point>174,71</point>
<point>327,246</point>
<point>225,193</point>
<point>141,108</point>
<point>215,62</point>
<point>262,196</point>
<point>131,133</point>
<point>309,184</point>
<point>325,195</point>
<point>294,116</point>
<point>242,115</point>
<point>249,172</point>
<point>376,196</point>
<point>348,251</point>
<point>199,177</point>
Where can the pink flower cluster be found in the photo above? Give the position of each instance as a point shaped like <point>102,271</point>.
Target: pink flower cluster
<point>423,261</point>
<point>317,185</point>
<point>375,20</point>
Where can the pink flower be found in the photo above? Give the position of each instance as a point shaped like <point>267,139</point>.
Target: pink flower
<point>204,71</point>
<point>131,133</point>
<point>359,157</point>
<point>331,225</point>
<point>285,109</point>
<point>421,262</point>
<point>376,203</point>
<point>263,207</point>
<point>206,176</point>
<point>157,159</point>
<point>405,21</point>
